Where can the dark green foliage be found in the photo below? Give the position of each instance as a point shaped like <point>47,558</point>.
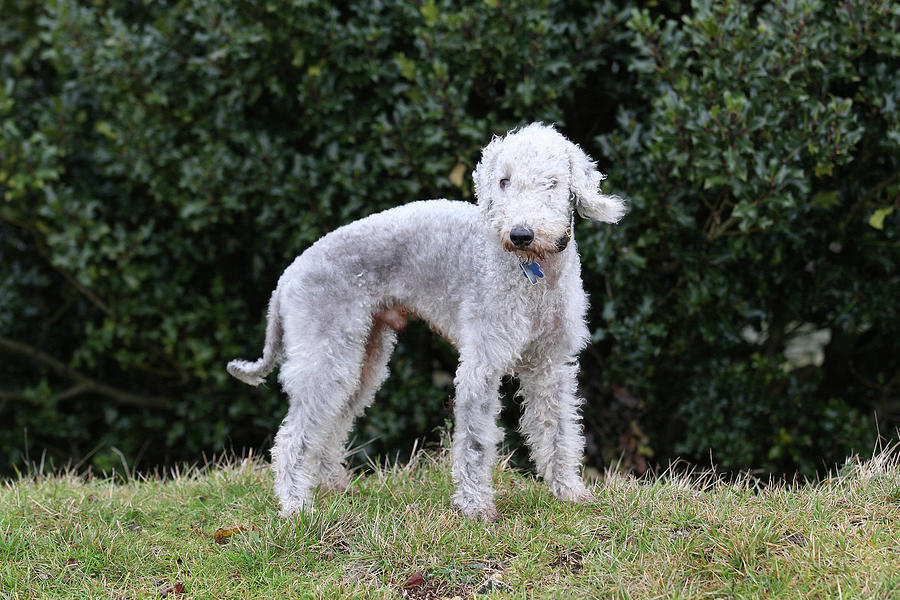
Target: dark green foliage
<point>161,164</point>
<point>766,145</point>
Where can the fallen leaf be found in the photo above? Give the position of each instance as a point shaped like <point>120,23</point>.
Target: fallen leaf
<point>176,589</point>
<point>414,581</point>
<point>222,534</point>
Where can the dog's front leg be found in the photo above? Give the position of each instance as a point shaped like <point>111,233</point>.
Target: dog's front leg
<point>551,425</point>
<point>475,439</point>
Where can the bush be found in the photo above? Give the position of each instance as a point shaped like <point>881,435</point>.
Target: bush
<point>763,169</point>
<point>161,164</point>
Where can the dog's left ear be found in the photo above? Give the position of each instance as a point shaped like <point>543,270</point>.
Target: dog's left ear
<point>585,186</point>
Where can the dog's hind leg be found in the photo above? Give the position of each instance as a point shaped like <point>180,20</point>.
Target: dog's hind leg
<point>320,374</point>
<point>379,347</point>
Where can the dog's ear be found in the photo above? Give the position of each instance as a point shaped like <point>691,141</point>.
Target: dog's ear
<point>484,170</point>
<point>585,186</point>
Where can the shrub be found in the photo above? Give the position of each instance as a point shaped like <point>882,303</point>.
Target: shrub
<point>763,170</point>
<point>160,164</point>
<point>163,164</point>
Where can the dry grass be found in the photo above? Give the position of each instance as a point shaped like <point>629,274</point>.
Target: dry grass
<point>397,536</point>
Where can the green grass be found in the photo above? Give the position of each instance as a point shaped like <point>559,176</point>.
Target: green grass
<point>666,537</point>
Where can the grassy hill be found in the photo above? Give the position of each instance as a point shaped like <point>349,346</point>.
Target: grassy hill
<point>213,532</point>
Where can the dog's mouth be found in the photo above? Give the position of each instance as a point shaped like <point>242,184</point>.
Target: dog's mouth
<point>539,248</point>
<point>563,241</point>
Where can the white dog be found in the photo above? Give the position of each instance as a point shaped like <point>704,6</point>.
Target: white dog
<point>501,281</point>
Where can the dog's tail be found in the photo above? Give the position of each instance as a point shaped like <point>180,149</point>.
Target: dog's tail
<point>254,373</point>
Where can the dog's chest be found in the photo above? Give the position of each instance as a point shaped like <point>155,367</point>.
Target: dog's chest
<point>545,309</point>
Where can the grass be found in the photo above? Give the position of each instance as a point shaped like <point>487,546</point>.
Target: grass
<point>213,533</point>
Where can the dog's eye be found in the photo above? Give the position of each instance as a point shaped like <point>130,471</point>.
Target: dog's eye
<point>504,183</point>
<point>551,183</point>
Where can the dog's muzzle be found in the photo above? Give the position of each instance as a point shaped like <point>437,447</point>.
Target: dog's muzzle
<point>521,237</point>
<point>522,240</point>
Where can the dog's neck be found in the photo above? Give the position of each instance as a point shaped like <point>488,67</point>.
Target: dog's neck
<point>545,271</point>
<point>534,269</point>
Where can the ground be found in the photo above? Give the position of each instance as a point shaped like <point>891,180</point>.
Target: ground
<point>213,532</point>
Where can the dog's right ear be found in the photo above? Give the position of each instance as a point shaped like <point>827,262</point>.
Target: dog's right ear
<point>484,170</point>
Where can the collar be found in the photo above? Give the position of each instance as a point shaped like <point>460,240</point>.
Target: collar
<point>532,270</point>
<point>562,245</point>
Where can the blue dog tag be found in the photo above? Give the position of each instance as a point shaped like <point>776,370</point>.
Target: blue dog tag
<point>532,271</point>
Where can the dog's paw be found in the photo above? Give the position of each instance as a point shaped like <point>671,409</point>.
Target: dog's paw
<point>477,511</point>
<point>576,493</point>
<point>337,481</point>
<point>488,514</point>
<point>585,497</point>
<point>292,509</point>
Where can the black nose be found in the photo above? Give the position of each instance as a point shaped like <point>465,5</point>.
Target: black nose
<point>521,236</point>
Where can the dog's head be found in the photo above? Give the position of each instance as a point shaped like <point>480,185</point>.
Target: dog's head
<point>530,182</point>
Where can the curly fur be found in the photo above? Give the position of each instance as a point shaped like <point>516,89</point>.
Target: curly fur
<point>333,318</point>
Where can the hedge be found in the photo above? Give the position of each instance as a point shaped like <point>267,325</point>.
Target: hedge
<point>754,289</point>
<point>161,164</point>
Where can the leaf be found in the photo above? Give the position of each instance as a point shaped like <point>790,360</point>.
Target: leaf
<point>104,128</point>
<point>221,535</point>
<point>174,590</point>
<point>456,175</point>
<point>877,218</point>
<point>714,181</point>
<point>824,169</point>
<point>431,13</point>
<point>407,66</point>
<point>415,580</point>
<point>827,199</point>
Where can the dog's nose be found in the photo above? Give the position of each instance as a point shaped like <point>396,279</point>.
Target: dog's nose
<point>521,236</point>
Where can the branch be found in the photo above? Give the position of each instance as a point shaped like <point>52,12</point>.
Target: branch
<point>44,252</point>
<point>87,293</point>
<point>84,383</point>
<point>78,388</point>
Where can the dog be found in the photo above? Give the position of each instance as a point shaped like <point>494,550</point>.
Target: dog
<point>500,280</point>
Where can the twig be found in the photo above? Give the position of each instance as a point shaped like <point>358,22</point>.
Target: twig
<point>84,383</point>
